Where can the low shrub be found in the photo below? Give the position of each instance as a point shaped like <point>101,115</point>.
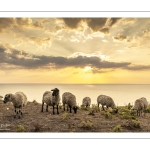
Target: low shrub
<point>20,128</point>
<point>136,123</point>
<point>95,108</point>
<point>107,115</point>
<point>64,116</point>
<point>86,124</point>
<point>118,128</point>
<point>84,108</point>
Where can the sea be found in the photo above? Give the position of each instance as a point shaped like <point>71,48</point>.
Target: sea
<point>122,94</point>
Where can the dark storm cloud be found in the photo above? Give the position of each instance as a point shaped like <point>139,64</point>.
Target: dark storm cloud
<point>72,22</point>
<point>23,59</point>
<point>95,24</point>
<point>114,21</point>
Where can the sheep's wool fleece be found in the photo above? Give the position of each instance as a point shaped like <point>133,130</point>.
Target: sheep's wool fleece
<point>69,98</point>
<point>106,100</point>
<point>86,101</point>
<point>20,99</point>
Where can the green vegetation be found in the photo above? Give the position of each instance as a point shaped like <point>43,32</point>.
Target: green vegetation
<point>129,106</point>
<point>95,108</point>
<point>108,115</point>
<point>86,124</point>
<point>136,123</point>
<point>148,110</point>
<point>84,108</point>
<point>20,128</point>
<point>117,128</point>
<point>64,116</point>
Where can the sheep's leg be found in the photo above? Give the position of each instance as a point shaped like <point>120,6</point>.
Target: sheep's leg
<point>103,108</point>
<point>138,113</point>
<point>98,104</point>
<point>19,113</point>
<point>64,106</point>
<point>46,108</point>
<point>70,109</point>
<point>57,110</point>
<point>15,112</point>
<point>67,107</point>
<point>53,109</point>
<point>42,107</point>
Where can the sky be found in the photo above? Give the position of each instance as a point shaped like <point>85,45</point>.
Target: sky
<point>75,50</point>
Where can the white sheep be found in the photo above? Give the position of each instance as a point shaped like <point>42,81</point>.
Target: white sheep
<point>86,101</point>
<point>70,100</point>
<point>140,105</point>
<point>18,99</point>
<point>106,101</point>
<point>51,99</point>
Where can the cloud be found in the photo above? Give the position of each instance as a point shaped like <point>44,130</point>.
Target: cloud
<point>121,38</point>
<point>72,22</point>
<point>25,60</point>
<point>95,24</point>
<point>11,23</point>
<point>40,41</point>
<point>6,23</point>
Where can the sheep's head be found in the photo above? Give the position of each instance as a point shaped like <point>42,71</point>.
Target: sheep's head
<point>75,109</point>
<point>55,92</point>
<point>116,110</point>
<point>7,98</point>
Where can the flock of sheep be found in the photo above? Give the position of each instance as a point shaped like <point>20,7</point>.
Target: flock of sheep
<point>52,98</point>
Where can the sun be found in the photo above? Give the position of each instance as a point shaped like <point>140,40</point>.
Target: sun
<point>87,69</point>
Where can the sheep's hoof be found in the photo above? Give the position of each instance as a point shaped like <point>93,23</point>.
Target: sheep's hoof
<point>46,110</point>
<point>14,116</point>
<point>21,113</point>
<point>41,110</point>
<point>19,117</point>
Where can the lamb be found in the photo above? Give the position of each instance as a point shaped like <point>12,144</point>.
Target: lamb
<point>51,99</point>
<point>106,101</point>
<point>140,105</point>
<point>19,100</point>
<point>69,99</point>
<point>86,101</point>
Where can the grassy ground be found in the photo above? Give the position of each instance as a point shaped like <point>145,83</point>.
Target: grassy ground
<point>86,120</point>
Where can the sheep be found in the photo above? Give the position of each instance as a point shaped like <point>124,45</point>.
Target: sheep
<point>140,105</point>
<point>19,100</point>
<point>69,99</point>
<point>51,99</point>
<point>86,101</point>
<point>106,101</point>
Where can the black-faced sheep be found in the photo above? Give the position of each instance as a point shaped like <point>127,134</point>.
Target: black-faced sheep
<point>106,101</point>
<point>18,99</point>
<point>70,100</point>
<point>51,99</point>
<point>86,101</point>
<point>140,105</point>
